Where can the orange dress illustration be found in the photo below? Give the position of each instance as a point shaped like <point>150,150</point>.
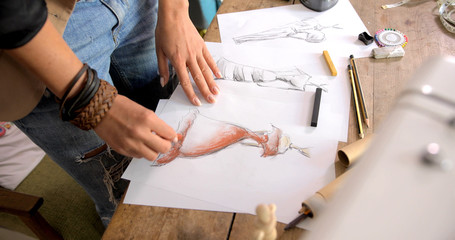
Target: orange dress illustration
<point>199,135</point>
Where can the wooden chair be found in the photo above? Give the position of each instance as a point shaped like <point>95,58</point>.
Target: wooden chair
<point>26,208</point>
<point>49,204</point>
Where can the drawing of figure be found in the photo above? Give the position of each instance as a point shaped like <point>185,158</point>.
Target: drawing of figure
<point>307,29</point>
<point>292,79</point>
<point>199,135</point>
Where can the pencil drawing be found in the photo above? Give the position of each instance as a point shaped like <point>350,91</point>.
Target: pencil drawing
<point>292,79</point>
<point>199,136</point>
<point>307,29</point>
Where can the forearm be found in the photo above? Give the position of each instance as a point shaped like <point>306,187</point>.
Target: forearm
<point>49,57</point>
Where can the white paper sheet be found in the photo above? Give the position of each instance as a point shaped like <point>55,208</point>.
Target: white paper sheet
<point>142,194</point>
<point>240,183</point>
<point>282,60</point>
<point>237,177</point>
<point>335,30</point>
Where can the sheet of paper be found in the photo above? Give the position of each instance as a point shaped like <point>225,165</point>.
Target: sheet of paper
<point>142,194</point>
<point>161,105</point>
<point>282,75</point>
<point>239,176</point>
<point>298,27</point>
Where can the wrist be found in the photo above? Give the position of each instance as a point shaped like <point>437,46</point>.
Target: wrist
<point>90,104</point>
<point>173,8</point>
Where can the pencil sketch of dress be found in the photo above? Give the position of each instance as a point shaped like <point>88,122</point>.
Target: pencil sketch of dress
<point>292,79</point>
<point>307,29</point>
<point>199,135</point>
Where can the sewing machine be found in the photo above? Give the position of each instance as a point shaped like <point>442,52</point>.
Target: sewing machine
<point>403,187</point>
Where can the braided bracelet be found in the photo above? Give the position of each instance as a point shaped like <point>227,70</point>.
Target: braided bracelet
<point>92,114</point>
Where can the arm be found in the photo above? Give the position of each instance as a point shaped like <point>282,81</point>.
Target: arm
<point>138,131</point>
<point>178,41</point>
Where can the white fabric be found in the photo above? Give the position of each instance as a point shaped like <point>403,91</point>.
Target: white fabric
<point>18,157</point>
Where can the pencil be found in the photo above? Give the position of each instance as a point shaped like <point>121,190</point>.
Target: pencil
<point>359,92</point>
<point>317,103</point>
<point>301,217</point>
<point>356,101</point>
<point>329,62</point>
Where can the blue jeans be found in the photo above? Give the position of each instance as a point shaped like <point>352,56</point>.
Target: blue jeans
<point>116,38</point>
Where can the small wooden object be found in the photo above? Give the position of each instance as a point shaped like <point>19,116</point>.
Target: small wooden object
<point>26,208</point>
<point>265,222</point>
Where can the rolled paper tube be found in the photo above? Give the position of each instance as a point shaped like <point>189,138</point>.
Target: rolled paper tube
<point>350,153</point>
<point>317,202</point>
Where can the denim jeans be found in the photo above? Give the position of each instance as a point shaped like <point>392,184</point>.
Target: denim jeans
<point>117,39</point>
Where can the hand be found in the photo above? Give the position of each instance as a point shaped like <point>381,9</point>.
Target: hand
<point>135,131</point>
<point>178,40</point>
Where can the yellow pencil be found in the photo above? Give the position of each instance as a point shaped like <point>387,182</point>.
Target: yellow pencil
<point>356,101</point>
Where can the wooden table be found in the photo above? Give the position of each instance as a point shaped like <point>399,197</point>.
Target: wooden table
<point>382,81</point>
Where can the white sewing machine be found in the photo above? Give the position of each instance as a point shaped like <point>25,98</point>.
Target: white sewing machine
<point>404,185</point>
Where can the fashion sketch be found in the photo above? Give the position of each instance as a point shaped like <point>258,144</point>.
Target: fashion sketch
<point>292,79</point>
<point>307,29</point>
<point>199,135</point>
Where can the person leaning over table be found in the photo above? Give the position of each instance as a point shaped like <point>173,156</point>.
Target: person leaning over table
<point>72,111</point>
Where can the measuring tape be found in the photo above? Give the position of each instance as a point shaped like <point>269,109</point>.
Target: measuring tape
<point>389,37</point>
<point>446,10</point>
<point>395,4</point>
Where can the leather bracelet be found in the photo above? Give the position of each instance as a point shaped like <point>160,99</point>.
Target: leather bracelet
<point>91,87</point>
<point>73,82</point>
<point>63,112</point>
<point>91,115</point>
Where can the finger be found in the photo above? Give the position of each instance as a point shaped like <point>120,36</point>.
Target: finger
<point>207,72</point>
<point>146,152</point>
<point>211,62</point>
<point>158,144</point>
<point>185,82</point>
<point>200,81</point>
<point>163,130</point>
<point>163,68</point>
<point>128,148</point>
<point>144,146</point>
